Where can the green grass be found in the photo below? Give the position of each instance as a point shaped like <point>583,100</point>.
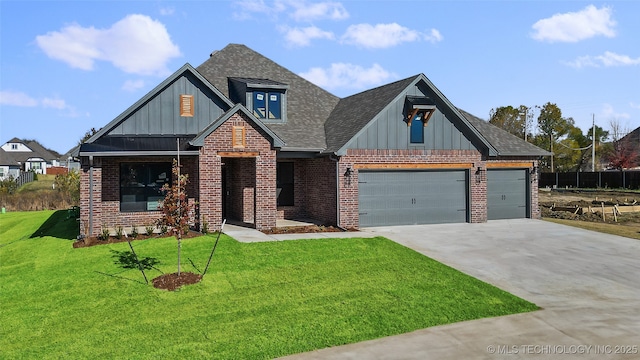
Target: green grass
<point>44,182</point>
<point>257,301</point>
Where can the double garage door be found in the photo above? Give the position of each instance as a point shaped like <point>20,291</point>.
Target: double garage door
<point>435,197</point>
<point>412,197</point>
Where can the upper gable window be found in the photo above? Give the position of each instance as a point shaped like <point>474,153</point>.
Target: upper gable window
<point>267,105</point>
<point>419,110</point>
<point>417,129</point>
<point>265,98</point>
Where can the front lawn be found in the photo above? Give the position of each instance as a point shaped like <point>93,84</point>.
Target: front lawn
<point>259,300</point>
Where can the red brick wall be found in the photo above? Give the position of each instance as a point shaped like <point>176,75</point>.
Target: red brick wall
<point>57,170</point>
<point>106,192</point>
<point>262,204</point>
<point>349,217</point>
<point>314,191</point>
<point>477,180</point>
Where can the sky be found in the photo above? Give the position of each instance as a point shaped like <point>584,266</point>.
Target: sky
<point>69,66</point>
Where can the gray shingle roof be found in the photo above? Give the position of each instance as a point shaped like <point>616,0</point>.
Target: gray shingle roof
<point>308,106</point>
<point>6,159</point>
<point>354,112</point>
<point>506,143</point>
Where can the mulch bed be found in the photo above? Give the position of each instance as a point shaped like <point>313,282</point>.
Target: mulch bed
<point>93,241</point>
<point>304,229</point>
<point>172,282</point>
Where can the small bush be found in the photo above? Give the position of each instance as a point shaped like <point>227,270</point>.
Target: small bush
<point>104,233</point>
<point>163,229</point>
<point>119,232</point>
<point>149,229</point>
<point>134,231</point>
<point>205,227</point>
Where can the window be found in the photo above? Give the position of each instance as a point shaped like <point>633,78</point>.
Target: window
<point>267,105</point>
<point>140,185</point>
<point>14,146</point>
<point>186,105</point>
<point>417,129</point>
<point>284,184</point>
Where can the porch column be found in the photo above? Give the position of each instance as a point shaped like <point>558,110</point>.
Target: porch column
<point>210,188</point>
<point>265,194</point>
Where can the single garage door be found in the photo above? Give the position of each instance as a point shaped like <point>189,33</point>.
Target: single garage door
<point>412,197</point>
<point>507,194</point>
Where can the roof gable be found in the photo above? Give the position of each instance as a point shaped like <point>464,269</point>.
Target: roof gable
<point>308,106</point>
<point>157,113</point>
<point>199,139</point>
<point>355,114</point>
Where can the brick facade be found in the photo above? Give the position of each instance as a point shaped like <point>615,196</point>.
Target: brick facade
<point>250,180</point>
<point>348,195</point>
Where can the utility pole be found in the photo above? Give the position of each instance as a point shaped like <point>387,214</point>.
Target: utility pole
<point>593,142</point>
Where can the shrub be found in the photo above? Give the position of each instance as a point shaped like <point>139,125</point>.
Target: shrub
<point>69,185</point>
<point>104,233</point>
<point>134,231</point>
<point>149,229</point>
<point>8,185</point>
<point>119,232</point>
<point>205,227</point>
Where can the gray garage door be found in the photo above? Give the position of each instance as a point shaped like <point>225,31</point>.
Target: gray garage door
<point>507,194</point>
<point>412,197</point>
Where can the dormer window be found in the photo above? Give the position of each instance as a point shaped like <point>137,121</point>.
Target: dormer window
<point>266,99</point>
<point>267,105</point>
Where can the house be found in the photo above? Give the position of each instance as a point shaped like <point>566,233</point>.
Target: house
<point>29,155</point>
<point>9,167</point>
<point>260,143</point>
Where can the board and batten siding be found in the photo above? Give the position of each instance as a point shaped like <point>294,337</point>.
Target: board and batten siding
<point>161,114</point>
<point>388,130</point>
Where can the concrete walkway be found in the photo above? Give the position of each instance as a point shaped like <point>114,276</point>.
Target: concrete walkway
<point>245,234</point>
<point>587,283</point>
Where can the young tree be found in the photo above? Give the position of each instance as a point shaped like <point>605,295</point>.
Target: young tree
<point>175,207</point>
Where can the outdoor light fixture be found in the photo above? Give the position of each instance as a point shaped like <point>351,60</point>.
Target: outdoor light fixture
<point>479,175</point>
<point>534,173</point>
<point>347,175</point>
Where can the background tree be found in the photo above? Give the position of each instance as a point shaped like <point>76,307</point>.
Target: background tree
<point>601,138</point>
<point>69,185</point>
<point>508,118</point>
<point>175,207</point>
<point>87,135</point>
<point>622,153</point>
<point>553,126</point>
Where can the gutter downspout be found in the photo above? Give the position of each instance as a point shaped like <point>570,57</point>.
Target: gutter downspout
<point>336,160</point>
<point>90,196</point>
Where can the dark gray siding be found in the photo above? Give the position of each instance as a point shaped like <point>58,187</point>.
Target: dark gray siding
<point>161,114</point>
<point>388,130</point>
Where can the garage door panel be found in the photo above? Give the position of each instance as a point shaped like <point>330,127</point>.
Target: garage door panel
<point>412,197</point>
<point>507,194</point>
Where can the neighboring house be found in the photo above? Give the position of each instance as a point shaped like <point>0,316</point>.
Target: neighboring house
<point>260,143</point>
<point>633,139</point>
<point>30,155</point>
<point>9,167</point>
<point>70,159</point>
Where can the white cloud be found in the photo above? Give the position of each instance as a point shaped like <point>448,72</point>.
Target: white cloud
<point>54,103</point>
<point>20,99</point>
<point>303,36</point>
<point>383,36</point>
<point>15,98</point>
<point>607,59</point>
<point>609,113</point>
<point>298,10</point>
<point>575,26</point>
<point>136,44</point>
<point>634,105</point>
<point>132,85</point>
<point>342,75</point>
<point>167,11</point>
<point>316,11</point>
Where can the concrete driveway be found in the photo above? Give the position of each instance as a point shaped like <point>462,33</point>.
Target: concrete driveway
<point>587,283</point>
